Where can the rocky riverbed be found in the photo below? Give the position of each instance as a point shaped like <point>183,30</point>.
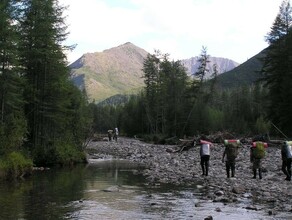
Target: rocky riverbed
<point>162,165</point>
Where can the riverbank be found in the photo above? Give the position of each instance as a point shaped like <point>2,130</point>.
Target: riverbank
<point>163,166</point>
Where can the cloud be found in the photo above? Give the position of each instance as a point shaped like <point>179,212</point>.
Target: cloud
<point>229,28</point>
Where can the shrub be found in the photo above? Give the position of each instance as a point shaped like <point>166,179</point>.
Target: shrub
<point>15,165</point>
<point>68,154</point>
<point>262,126</point>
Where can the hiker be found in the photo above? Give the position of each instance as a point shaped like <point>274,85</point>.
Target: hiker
<point>116,134</point>
<point>257,153</point>
<point>231,152</point>
<point>205,155</point>
<point>110,134</point>
<point>286,152</point>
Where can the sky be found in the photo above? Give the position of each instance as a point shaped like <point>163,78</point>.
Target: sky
<point>233,29</point>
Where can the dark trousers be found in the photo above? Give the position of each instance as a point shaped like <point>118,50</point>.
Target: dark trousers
<point>230,165</point>
<point>257,165</point>
<point>286,168</point>
<point>205,164</point>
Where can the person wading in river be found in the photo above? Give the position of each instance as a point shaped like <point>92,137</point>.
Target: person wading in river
<point>286,153</point>
<point>205,155</point>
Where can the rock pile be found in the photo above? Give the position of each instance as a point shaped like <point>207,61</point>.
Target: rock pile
<point>164,165</point>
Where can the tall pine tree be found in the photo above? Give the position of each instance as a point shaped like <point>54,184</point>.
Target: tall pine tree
<point>277,69</point>
<point>53,104</point>
<point>12,121</point>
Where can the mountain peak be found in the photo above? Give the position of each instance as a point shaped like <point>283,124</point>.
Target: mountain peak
<point>118,70</point>
<point>125,46</point>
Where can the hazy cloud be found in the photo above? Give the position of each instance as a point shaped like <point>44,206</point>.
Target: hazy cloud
<point>233,29</point>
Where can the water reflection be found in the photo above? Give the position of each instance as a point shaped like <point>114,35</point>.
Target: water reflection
<point>49,194</point>
<point>107,190</point>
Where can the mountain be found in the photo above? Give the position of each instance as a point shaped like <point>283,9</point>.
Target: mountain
<point>223,65</point>
<point>245,74</point>
<point>114,71</point>
<point>119,71</point>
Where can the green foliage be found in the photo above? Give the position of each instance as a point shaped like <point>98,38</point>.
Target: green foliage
<point>12,120</point>
<point>15,164</point>
<point>67,154</point>
<point>262,126</point>
<point>277,69</point>
<point>165,93</point>
<point>12,133</point>
<point>215,118</point>
<point>55,109</point>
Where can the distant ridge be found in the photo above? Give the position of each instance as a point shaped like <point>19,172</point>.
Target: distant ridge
<point>245,74</point>
<point>223,65</point>
<point>118,71</point>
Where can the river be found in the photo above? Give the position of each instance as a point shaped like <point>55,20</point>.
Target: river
<point>109,189</point>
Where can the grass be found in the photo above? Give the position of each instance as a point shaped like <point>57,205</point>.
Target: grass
<point>15,165</point>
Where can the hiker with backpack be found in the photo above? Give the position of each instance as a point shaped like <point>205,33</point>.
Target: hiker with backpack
<point>205,155</point>
<point>257,153</point>
<point>231,152</point>
<point>286,153</point>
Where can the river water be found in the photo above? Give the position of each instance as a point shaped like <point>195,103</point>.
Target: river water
<point>109,189</point>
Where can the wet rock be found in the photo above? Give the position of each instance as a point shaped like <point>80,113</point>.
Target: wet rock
<point>238,189</point>
<point>219,193</point>
<point>209,218</point>
<point>222,200</point>
<point>247,195</point>
<point>218,209</point>
<point>183,168</point>
<point>198,205</point>
<point>111,189</point>
<point>251,208</point>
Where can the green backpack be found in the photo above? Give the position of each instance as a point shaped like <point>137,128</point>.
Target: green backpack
<point>259,150</point>
<point>232,147</point>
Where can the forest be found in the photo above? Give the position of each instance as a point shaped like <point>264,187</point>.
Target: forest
<point>175,105</point>
<point>45,120</point>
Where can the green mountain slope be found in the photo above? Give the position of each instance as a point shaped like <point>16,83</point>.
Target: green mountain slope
<point>245,74</point>
<point>114,71</point>
<point>119,71</point>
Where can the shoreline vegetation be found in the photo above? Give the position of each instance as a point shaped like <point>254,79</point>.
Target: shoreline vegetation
<point>15,165</point>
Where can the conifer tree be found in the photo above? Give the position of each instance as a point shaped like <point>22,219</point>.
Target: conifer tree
<point>52,102</point>
<point>277,71</point>
<point>12,121</point>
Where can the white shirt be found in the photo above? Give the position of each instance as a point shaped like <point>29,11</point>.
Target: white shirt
<point>205,149</point>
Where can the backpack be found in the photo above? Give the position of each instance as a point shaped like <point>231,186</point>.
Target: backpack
<point>231,148</point>
<point>287,149</point>
<point>259,150</point>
